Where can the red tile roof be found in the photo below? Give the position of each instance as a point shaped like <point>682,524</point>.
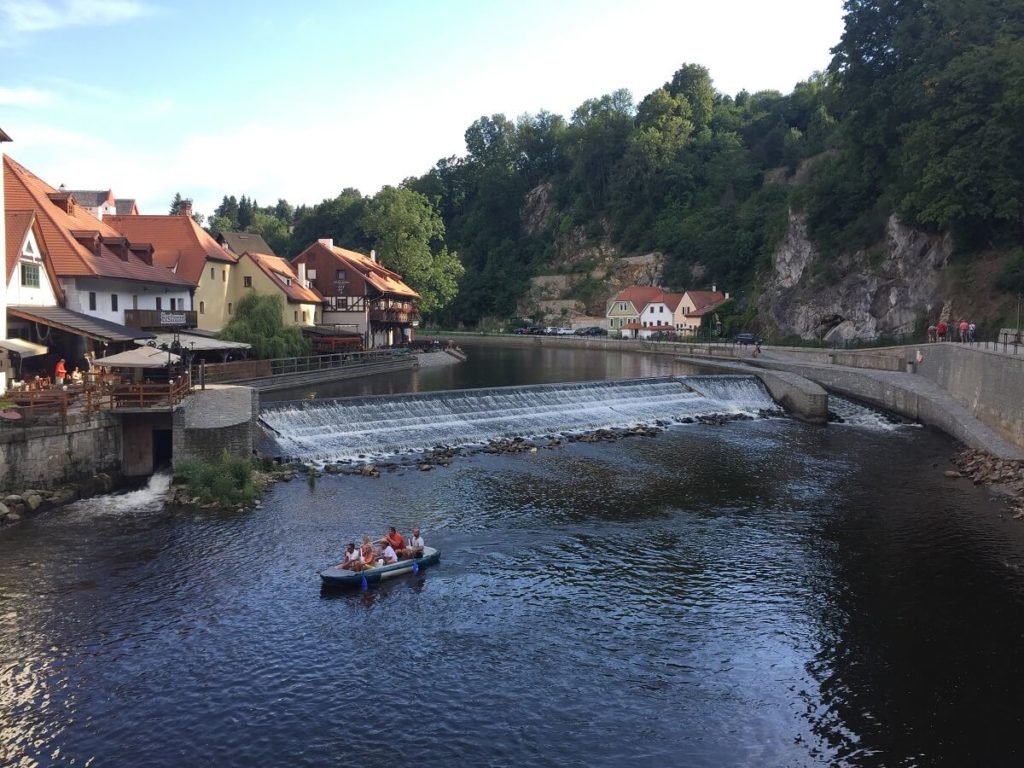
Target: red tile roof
<point>17,223</point>
<point>279,270</point>
<point>705,301</point>
<point>178,242</point>
<point>375,273</point>
<point>639,295</point>
<point>69,257</point>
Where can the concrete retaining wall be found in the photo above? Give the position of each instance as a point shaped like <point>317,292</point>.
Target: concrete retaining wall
<point>988,384</point>
<point>47,455</point>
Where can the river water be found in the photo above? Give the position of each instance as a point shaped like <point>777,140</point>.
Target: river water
<point>757,593</point>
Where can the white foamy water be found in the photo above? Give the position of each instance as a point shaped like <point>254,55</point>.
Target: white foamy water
<point>351,428</point>
<point>858,415</point>
<point>148,499</point>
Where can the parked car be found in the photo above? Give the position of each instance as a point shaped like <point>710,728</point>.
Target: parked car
<point>565,331</point>
<point>746,338</point>
<point>591,330</point>
<point>550,330</point>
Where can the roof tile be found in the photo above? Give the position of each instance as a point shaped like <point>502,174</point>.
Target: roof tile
<point>178,242</point>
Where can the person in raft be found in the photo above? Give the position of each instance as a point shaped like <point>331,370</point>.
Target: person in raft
<point>414,547</point>
<point>395,539</point>
<point>353,558</point>
<point>387,554</point>
<point>59,373</point>
<point>366,551</point>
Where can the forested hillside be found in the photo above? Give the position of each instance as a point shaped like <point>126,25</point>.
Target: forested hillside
<point>921,114</point>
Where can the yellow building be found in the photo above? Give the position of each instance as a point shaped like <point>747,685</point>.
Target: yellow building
<point>272,275</point>
<point>190,252</point>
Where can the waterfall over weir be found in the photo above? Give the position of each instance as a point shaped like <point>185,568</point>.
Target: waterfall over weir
<point>350,428</point>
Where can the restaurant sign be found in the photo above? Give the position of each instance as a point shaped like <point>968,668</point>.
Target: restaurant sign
<point>172,318</point>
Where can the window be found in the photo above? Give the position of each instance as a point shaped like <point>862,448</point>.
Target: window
<point>113,302</point>
<point>30,275</point>
<point>247,282</point>
<point>311,274</point>
<point>174,305</point>
<point>213,275</point>
<point>229,307</point>
<point>661,308</point>
<point>92,301</point>
<point>223,275</point>
<point>296,315</point>
<point>159,303</point>
<point>202,307</point>
<point>135,302</point>
<point>304,316</point>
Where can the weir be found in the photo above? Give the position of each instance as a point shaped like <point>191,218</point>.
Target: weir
<point>353,428</point>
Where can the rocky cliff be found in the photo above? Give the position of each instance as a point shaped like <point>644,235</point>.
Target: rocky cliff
<point>861,295</point>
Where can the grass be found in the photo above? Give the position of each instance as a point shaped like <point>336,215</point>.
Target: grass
<point>227,481</point>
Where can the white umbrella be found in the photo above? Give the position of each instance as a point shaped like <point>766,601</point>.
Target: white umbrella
<point>141,357</point>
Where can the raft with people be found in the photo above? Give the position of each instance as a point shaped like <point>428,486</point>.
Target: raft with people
<point>337,576</point>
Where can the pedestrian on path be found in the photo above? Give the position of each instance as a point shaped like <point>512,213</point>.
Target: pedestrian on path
<point>932,333</point>
<point>972,332</point>
<point>963,331</point>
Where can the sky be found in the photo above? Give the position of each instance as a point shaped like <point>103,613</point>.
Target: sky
<point>302,99</point>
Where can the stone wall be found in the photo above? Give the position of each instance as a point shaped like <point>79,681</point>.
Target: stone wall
<point>49,454</point>
<point>217,419</point>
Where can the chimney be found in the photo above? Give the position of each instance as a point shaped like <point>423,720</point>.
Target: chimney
<point>373,256</point>
<point>328,241</point>
<point>302,275</point>
<point>185,208</point>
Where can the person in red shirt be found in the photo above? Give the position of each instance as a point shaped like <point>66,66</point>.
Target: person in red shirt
<point>941,330</point>
<point>394,538</point>
<point>59,373</point>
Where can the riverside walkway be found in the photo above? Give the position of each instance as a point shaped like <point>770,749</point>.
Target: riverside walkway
<point>909,394</point>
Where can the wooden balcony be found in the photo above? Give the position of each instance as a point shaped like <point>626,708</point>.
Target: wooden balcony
<point>156,319</point>
<point>394,312</point>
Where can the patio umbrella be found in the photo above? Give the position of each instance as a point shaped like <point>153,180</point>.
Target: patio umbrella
<point>142,357</point>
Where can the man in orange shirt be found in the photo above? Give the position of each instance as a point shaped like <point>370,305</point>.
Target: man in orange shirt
<point>59,373</point>
<point>394,538</point>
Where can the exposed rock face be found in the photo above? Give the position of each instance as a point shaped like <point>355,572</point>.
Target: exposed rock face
<point>854,296</point>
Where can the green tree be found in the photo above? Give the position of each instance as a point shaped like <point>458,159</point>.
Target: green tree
<point>409,236</point>
<point>271,229</point>
<point>259,321</point>
<point>336,218</point>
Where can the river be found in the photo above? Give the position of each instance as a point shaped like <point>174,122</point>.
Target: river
<point>757,593</point>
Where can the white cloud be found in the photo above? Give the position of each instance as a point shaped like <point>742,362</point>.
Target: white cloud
<point>24,97</point>
<point>20,17</point>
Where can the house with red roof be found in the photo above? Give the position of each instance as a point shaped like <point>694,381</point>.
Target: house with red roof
<point>360,294</point>
<point>102,275</point>
<point>624,308</point>
<point>188,250</point>
<point>273,275</point>
<point>697,307</point>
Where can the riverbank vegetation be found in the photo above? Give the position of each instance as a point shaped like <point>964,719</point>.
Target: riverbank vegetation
<point>920,113</point>
<point>228,482</point>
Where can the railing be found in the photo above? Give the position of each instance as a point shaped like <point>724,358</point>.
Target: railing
<point>42,402</point>
<point>167,394</point>
<point>286,365</point>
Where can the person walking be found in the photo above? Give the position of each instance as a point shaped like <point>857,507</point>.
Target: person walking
<point>940,330</point>
<point>963,331</point>
<point>932,333</point>
<point>972,332</point>
<point>60,373</point>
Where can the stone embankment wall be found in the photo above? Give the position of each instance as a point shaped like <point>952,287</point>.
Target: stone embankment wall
<point>217,419</point>
<point>50,454</point>
<point>990,385</point>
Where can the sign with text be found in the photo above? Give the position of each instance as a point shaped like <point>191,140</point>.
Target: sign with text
<point>172,318</point>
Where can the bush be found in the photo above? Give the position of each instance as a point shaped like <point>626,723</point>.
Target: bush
<point>227,481</point>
